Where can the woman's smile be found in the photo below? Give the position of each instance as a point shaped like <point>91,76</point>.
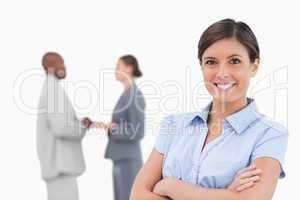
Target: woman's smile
<point>224,87</point>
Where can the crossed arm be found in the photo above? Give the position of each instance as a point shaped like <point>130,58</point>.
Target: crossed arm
<point>148,184</point>
<point>148,176</point>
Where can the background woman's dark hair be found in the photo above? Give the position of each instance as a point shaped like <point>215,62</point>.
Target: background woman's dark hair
<point>228,28</point>
<point>132,61</point>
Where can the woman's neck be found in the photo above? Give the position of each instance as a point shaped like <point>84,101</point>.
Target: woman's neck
<point>220,110</point>
<point>127,83</point>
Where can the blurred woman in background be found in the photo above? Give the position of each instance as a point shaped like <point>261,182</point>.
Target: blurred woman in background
<point>126,129</point>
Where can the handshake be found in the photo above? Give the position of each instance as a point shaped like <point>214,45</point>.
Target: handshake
<point>88,123</point>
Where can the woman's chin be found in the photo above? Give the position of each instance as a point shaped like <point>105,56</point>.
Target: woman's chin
<point>225,97</point>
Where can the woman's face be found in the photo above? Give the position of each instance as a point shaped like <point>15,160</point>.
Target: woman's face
<point>122,71</point>
<point>227,70</point>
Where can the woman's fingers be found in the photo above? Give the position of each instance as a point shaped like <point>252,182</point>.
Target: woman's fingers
<point>251,167</point>
<point>245,186</point>
<point>248,180</point>
<point>249,174</point>
<point>102,125</point>
<point>97,125</point>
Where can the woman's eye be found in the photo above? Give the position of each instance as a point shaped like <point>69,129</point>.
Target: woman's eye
<point>235,61</point>
<point>210,62</point>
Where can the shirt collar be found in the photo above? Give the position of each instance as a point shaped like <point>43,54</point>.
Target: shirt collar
<point>239,120</point>
<point>132,88</point>
<point>201,116</point>
<point>52,77</point>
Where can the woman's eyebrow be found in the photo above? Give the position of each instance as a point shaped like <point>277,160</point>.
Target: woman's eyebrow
<point>209,57</point>
<point>234,55</point>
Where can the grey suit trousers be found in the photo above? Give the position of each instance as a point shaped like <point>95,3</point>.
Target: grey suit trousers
<point>124,173</point>
<point>63,188</point>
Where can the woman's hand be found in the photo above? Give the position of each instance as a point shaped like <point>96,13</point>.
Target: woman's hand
<point>110,125</point>
<point>245,178</point>
<point>97,125</point>
<point>163,187</point>
<point>107,126</point>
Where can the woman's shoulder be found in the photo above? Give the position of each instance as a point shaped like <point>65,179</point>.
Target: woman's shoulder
<point>133,92</point>
<point>273,125</point>
<point>177,118</point>
<point>169,131</point>
<point>176,122</point>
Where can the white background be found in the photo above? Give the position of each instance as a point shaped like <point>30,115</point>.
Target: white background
<point>163,35</point>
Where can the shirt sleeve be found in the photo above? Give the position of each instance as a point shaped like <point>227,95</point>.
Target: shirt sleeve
<point>61,116</point>
<point>133,127</point>
<point>166,131</point>
<point>273,144</point>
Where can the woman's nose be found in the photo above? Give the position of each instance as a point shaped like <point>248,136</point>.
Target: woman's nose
<point>223,73</point>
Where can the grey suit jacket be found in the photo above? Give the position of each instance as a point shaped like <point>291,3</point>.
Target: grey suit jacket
<point>128,114</point>
<point>59,133</point>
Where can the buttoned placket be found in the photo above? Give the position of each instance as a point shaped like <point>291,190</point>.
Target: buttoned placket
<point>208,148</point>
<point>202,131</point>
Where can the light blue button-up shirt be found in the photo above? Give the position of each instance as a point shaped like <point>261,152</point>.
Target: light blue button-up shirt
<point>247,135</point>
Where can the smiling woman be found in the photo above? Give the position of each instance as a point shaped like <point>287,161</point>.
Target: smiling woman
<point>227,150</point>
<point>227,69</point>
<point>229,55</point>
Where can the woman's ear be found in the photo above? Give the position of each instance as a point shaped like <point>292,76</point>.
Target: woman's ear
<point>129,70</point>
<point>254,67</point>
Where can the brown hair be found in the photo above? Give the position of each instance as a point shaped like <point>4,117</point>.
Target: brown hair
<point>228,28</point>
<point>132,61</point>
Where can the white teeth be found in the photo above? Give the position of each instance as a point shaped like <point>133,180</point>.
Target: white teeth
<point>225,86</point>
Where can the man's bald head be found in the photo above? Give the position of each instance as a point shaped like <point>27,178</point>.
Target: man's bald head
<point>54,63</point>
